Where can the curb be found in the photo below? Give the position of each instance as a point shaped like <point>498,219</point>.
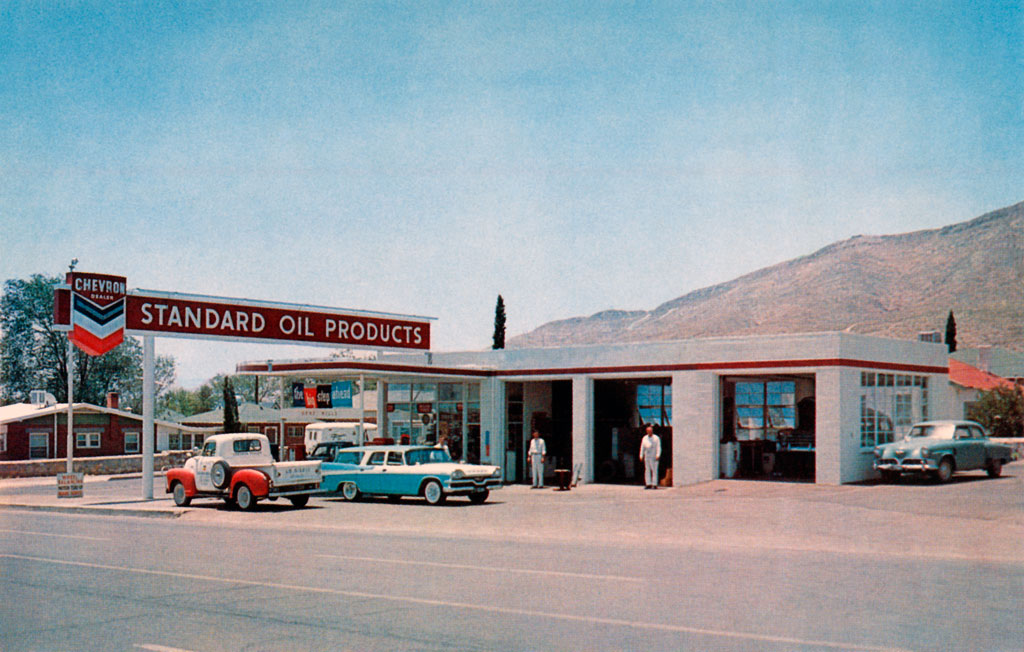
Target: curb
<point>97,511</point>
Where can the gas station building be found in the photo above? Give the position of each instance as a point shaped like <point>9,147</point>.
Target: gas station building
<point>806,407</point>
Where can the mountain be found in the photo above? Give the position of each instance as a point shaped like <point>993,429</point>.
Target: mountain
<point>894,286</point>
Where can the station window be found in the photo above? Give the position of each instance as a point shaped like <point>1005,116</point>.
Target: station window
<point>887,406</point>
<point>654,402</point>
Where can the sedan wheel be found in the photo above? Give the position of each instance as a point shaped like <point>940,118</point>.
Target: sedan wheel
<point>890,476</point>
<point>994,469</point>
<point>479,497</point>
<point>945,471</point>
<point>245,498</point>
<point>433,493</point>
<point>299,501</point>
<point>349,491</point>
<point>181,499</point>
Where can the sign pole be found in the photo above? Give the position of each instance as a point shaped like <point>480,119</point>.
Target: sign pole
<point>148,395</point>
<point>71,401</point>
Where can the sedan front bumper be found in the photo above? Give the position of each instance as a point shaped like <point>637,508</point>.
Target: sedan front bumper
<point>907,465</point>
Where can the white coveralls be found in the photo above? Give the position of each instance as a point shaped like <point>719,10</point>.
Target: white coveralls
<point>650,451</point>
<point>537,452</point>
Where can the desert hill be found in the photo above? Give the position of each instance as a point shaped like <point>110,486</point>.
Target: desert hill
<point>893,285</point>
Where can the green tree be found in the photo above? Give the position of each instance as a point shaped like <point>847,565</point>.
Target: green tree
<point>231,423</point>
<point>499,324</point>
<point>1001,411</point>
<point>33,355</point>
<point>951,332</point>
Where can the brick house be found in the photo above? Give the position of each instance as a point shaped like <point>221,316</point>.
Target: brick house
<point>32,431</point>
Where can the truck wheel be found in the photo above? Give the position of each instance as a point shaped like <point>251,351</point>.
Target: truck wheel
<point>479,497</point>
<point>245,498</point>
<point>350,491</point>
<point>229,502</point>
<point>220,474</point>
<point>299,501</point>
<point>181,499</point>
<point>994,468</point>
<point>945,471</point>
<point>433,493</point>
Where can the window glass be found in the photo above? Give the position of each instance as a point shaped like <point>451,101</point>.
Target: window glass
<point>376,458</point>
<point>246,445</point>
<point>131,442</point>
<point>174,441</point>
<point>395,459</point>
<point>38,446</point>
<point>210,449</point>
<point>399,392</point>
<point>427,456</point>
<point>348,457</point>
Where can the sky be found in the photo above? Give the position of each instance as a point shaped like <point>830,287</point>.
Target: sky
<point>423,158</point>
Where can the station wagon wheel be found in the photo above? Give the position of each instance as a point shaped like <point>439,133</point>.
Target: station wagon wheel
<point>350,491</point>
<point>994,468</point>
<point>181,499</point>
<point>479,497</point>
<point>245,498</point>
<point>945,471</point>
<point>219,474</point>
<point>433,493</point>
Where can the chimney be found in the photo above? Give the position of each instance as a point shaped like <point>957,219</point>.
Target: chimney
<point>113,398</point>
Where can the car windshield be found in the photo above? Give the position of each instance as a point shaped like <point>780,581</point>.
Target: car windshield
<point>427,456</point>
<point>936,431</point>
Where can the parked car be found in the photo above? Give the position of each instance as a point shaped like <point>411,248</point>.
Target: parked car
<point>939,449</point>
<point>397,471</point>
<point>238,468</point>
<point>325,452</point>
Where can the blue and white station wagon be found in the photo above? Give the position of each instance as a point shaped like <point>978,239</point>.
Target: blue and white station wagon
<point>396,471</point>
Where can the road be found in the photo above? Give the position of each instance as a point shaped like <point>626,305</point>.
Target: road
<point>722,566</point>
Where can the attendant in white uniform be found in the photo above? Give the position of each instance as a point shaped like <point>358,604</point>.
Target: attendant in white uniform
<point>650,452</point>
<point>537,454</point>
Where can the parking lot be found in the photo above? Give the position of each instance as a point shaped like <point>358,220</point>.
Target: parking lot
<point>721,565</point>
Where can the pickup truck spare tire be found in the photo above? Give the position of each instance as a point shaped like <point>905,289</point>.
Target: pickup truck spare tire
<point>220,474</point>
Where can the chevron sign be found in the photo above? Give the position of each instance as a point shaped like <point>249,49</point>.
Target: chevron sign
<point>97,311</point>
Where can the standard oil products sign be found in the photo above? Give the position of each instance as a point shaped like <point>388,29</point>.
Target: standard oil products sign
<point>99,311</point>
<point>200,316</point>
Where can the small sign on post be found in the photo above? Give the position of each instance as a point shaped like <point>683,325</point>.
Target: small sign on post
<point>70,485</point>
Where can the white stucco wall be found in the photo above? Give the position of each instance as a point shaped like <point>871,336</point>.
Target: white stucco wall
<point>696,426</point>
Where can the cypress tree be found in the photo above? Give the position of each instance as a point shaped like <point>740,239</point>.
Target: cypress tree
<point>231,423</point>
<point>951,332</point>
<point>499,324</point>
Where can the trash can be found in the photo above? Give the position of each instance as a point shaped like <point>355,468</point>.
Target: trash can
<point>729,459</point>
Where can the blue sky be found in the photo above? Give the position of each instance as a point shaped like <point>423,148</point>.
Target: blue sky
<point>424,157</point>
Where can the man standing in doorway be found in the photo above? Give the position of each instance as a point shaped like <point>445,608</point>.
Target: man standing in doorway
<point>538,453</point>
<point>650,452</point>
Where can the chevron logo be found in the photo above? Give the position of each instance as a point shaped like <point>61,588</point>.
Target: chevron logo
<point>96,328</point>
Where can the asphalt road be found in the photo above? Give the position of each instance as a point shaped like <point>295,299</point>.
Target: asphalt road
<point>722,566</point>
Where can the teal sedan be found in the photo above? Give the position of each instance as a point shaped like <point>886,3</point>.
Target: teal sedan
<point>396,471</point>
<point>939,449</point>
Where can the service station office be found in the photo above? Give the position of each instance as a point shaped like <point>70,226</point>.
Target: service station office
<point>807,407</point>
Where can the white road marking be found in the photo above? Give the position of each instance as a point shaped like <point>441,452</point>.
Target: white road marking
<point>51,534</point>
<point>511,611</point>
<point>493,569</point>
<point>159,648</point>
